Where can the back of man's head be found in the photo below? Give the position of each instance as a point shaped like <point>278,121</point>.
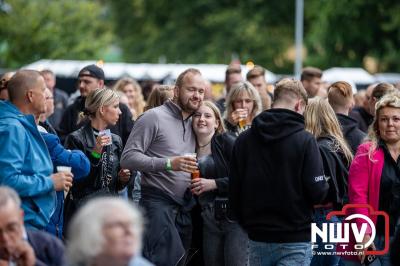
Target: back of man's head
<point>309,73</point>
<point>340,97</point>
<point>287,92</point>
<point>382,89</point>
<point>257,71</point>
<point>20,83</point>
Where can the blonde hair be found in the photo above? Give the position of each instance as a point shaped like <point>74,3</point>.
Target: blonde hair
<point>289,89</point>
<point>221,127</point>
<point>234,93</point>
<point>97,99</point>
<point>159,95</point>
<point>321,121</point>
<point>139,102</point>
<point>391,99</point>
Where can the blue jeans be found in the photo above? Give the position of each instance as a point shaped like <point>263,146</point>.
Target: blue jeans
<point>224,241</point>
<point>383,260</point>
<point>324,260</point>
<point>280,254</point>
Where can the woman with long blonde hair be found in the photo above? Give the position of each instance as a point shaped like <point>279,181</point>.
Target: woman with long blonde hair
<point>133,92</point>
<point>321,121</point>
<point>374,179</point>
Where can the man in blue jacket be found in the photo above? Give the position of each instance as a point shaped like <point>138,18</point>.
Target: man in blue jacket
<point>25,163</point>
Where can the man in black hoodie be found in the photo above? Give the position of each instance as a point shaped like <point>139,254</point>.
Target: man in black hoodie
<point>276,176</point>
<point>91,78</point>
<point>340,97</point>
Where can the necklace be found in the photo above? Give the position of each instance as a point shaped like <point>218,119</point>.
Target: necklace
<point>202,146</point>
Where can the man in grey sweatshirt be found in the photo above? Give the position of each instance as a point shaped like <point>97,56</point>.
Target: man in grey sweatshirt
<point>156,146</point>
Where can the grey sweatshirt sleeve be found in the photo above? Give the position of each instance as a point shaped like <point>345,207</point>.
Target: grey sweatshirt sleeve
<point>143,134</point>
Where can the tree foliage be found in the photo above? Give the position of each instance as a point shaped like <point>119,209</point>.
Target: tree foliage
<point>336,33</point>
<point>205,31</point>
<point>347,32</point>
<point>33,30</point>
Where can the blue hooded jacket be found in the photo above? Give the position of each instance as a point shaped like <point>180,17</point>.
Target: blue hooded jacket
<point>80,167</point>
<point>25,165</point>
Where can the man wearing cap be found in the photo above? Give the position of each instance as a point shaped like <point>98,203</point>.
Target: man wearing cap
<point>90,78</point>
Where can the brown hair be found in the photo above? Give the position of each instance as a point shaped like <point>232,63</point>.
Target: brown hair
<point>381,89</point>
<point>256,72</point>
<point>159,95</point>
<point>232,70</point>
<point>309,73</point>
<point>289,88</point>
<point>339,94</point>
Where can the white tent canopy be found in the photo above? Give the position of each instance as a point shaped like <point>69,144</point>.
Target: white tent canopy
<point>70,68</point>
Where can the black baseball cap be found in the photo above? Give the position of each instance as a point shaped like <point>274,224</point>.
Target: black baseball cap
<point>92,71</point>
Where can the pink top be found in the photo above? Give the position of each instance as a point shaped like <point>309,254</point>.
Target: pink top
<point>364,184</point>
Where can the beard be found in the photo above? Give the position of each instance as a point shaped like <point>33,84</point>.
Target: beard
<point>188,107</point>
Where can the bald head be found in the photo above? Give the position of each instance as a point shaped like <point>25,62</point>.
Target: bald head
<point>21,83</point>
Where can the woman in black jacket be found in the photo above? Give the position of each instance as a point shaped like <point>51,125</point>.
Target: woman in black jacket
<point>224,242</point>
<point>321,121</point>
<point>103,149</point>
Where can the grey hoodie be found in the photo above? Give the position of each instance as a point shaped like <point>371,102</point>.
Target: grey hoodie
<point>158,134</point>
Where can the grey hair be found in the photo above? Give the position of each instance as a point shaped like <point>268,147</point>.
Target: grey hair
<point>8,194</point>
<point>234,93</point>
<point>85,237</point>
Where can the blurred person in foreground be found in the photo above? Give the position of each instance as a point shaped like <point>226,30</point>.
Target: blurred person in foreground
<point>106,231</point>
<point>374,176</point>
<point>275,166</point>
<point>21,245</point>
<point>25,164</point>
<point>256,77</point>
<point>158,147</point>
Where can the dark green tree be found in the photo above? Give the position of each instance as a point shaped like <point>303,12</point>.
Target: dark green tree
<point>37,29</point>
<point>346,32</point>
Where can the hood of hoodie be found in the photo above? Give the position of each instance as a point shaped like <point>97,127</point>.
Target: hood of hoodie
<point>347,123</point>
<point>276,124</point>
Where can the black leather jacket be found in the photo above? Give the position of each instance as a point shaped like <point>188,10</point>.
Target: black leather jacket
<point>100,170</point>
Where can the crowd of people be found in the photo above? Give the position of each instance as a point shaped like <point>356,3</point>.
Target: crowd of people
<point>111,176</point>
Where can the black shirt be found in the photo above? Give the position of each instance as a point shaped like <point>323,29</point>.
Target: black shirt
<point>389,192</point>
